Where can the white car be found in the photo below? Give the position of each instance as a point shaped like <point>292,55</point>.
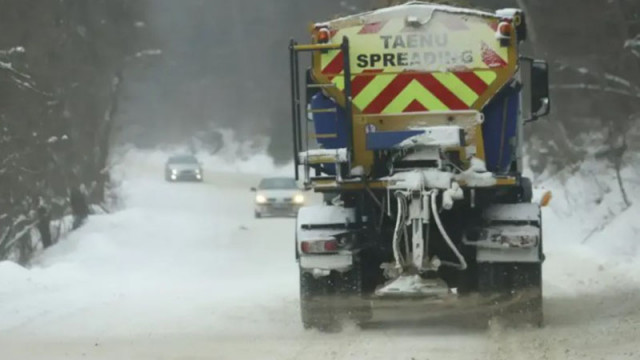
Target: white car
<point>278,196</point>
<point>183,168</point>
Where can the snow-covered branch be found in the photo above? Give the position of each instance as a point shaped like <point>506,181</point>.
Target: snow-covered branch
<point>12,51</point>
<point>633,44</point>
<point>618,80</point>
<point>21,79</point>
<point>148,52</point>
<point>9,158</point>
<point>7,66</point>
<point>592,87</point>
<point>631,84</point>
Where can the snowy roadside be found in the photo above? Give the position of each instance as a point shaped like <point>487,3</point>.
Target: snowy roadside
<point>163,234</point>
<point>184,271</point>
<point>588,212</point>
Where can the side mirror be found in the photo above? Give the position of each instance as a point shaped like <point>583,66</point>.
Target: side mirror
<point>540,99</point>
<point>537,77</point>
<point>254,189</point>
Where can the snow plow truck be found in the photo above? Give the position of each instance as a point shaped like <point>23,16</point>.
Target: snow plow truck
<point>409,120</point>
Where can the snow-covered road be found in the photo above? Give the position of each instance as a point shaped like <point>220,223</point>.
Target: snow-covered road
<point>185,272</point>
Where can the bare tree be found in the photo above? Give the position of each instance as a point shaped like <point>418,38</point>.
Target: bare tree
<point>60,66</point>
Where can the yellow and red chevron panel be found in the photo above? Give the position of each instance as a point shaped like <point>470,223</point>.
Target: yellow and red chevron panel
<point>376,92</point>
<point>451,61</point>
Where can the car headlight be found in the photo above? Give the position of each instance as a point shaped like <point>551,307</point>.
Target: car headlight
<point>261,199</point>
<point>174,171</point>
<point>298,199</point>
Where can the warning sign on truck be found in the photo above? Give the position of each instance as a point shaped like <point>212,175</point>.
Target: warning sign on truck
<point>415,51</point>
<point>446,42</point>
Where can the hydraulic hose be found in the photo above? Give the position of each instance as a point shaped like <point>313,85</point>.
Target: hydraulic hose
<point>434,209</point>
<point>405,235</point>
<point>398,232</point>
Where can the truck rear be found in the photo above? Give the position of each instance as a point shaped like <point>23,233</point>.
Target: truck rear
<point>412,128</point>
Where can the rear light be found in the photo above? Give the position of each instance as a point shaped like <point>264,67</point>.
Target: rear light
<point>305,247</point>
<point>331,245</point>
<point>319,246</point>
<point>324,35</point>
<point>504,29</point>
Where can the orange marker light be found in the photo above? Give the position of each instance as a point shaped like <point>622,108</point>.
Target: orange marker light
<point>546,199</point>
<point>324,36</point>
<point>505,28</point>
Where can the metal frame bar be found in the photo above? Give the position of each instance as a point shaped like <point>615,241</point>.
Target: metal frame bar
<point>316,47</point>
<point>297,89</point>
<point>295,100</point>
<point>348,107</point>
<point>294,68</point>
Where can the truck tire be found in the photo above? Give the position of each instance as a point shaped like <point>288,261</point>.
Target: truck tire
<point>526,190</point>
<point>328,301</point>
<point>316,305</point>
<point>528,284</point>
<point>517,289</point>
<point>350,297</point>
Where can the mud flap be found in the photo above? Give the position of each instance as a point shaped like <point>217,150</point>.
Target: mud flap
<point>511,234</point>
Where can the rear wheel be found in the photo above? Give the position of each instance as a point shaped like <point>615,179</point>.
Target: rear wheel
<point>526,190</point>
<point>316,310</point>
<point>257,215</point>
<point>527,284</point>
<point>516,290</point>
<point>350,294</point>
<point>327,301</point>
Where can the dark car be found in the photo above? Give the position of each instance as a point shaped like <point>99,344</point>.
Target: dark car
<point>183,168</point>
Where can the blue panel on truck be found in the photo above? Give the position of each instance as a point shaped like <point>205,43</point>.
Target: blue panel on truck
<point>500,130</point>
<point>388,139</point>
<point>329,123</point>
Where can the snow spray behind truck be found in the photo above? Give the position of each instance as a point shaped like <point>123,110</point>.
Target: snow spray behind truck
<point>410,121</point>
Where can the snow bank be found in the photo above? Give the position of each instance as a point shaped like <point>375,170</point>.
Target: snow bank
<point>588,212</point>
<point>11,272</point>
<point>176,254</point>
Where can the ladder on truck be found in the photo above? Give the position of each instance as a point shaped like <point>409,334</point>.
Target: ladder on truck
<point>302,154</point>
